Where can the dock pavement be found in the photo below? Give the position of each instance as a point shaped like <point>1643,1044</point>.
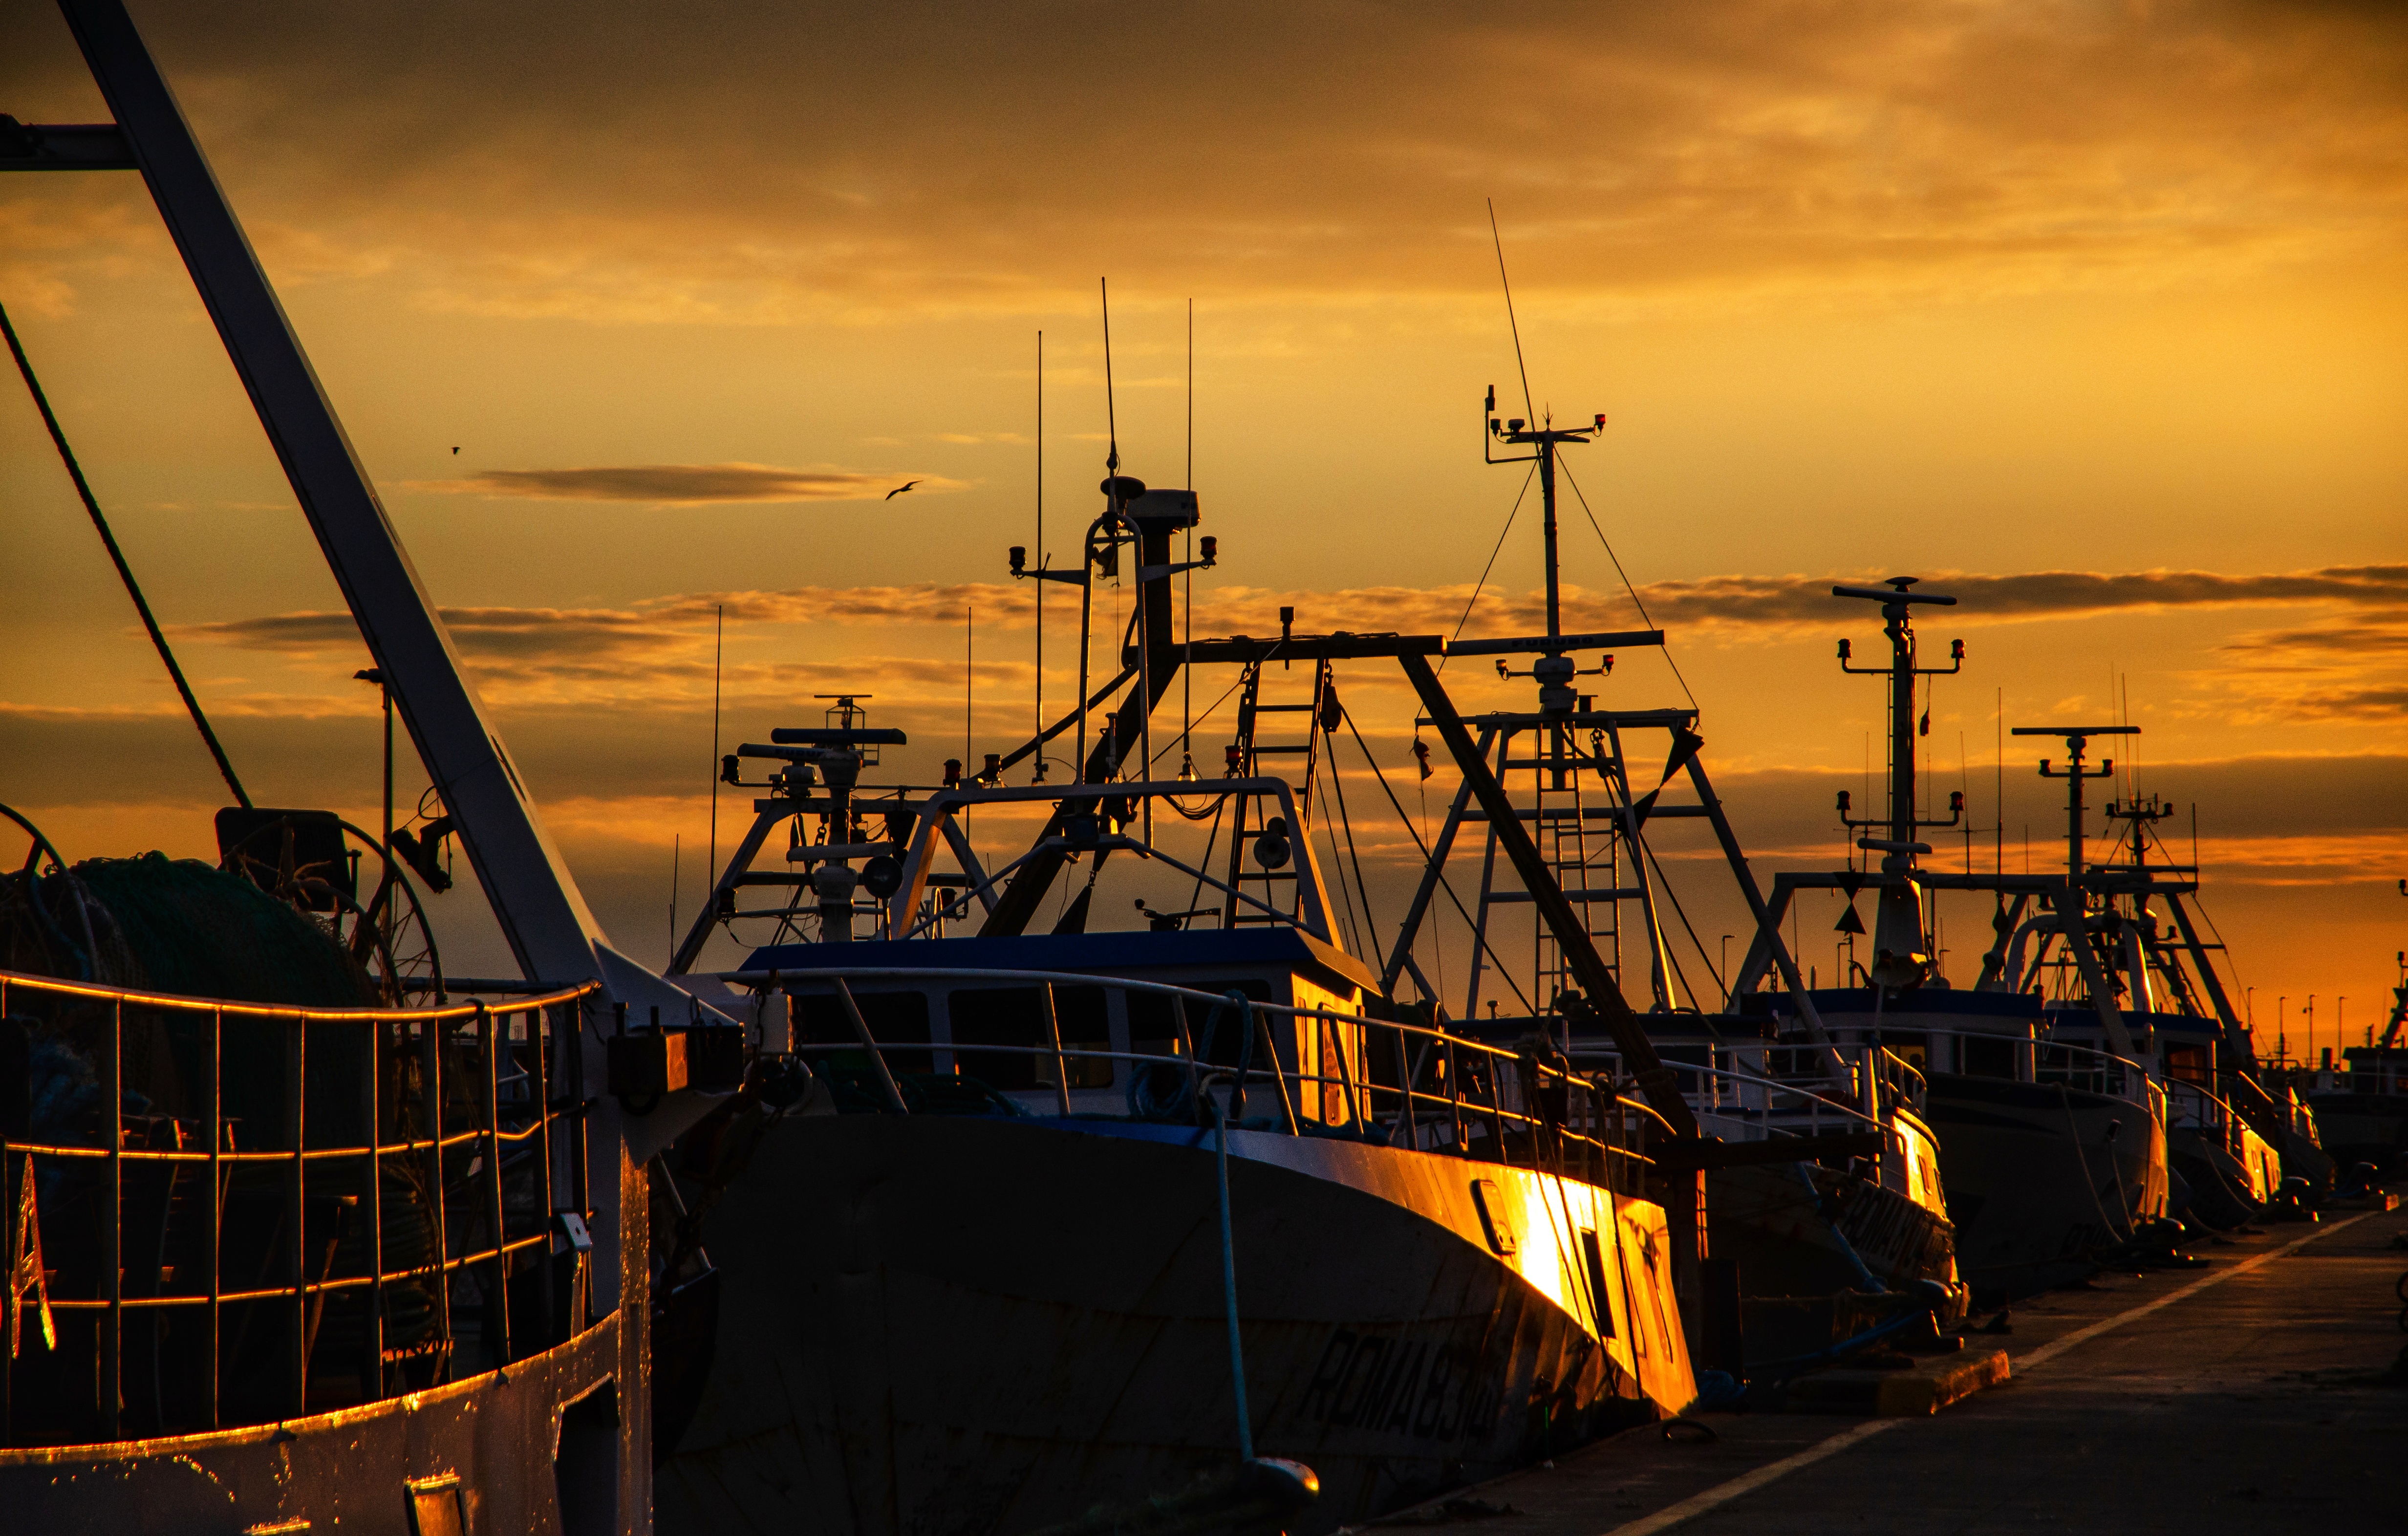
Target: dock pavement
<point>2264,1392</point>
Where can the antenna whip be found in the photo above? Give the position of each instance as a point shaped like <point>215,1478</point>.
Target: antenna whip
<point>1512,324</point>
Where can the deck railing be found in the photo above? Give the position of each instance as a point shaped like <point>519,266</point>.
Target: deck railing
<point>1759,1105</point>
<point>2195,1104</point>
<point>209,1242</point>
<point>1439,1090</point>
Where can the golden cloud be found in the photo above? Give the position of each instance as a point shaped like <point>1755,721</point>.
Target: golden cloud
<point>811,162</point>
<point>688,485</point>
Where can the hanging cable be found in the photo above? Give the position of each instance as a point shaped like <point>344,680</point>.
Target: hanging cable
<point>1696,942</point>
<point>124,572</point>
<point>1371,920</point>
<point>1482,584</point>
<point>1443,883</point>
<point>1635,600</point>
<point>1345,897</point>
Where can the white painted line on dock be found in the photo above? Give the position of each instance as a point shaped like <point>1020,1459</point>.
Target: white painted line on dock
<point>1747,1482</point>
<point>1715,1498</point>
<point>2057,1346</point>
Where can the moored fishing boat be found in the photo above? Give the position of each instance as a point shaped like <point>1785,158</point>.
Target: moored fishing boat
<point>2362,1110</point>
<point>284,1251</point>
<point>1083,1215</point>
<point>2052,1152</point>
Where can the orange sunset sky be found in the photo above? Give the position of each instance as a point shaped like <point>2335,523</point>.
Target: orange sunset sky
<point>2092,314</point>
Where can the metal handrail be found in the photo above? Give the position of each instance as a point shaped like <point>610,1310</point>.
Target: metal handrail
<point>1922,1084</point>
<point>1815,1102</point>
<point>528,1118</point>
<point>1361,1093</point>
<point>2042,1043</point>
<point>2228,1122</point>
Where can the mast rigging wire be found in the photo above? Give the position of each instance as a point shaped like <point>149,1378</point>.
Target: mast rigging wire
<point>1346,898</point>
<point>124,572</point>
<point>1443,883</point>
<point>1371,919</point>
<point>1635,600</point>
<point>1482,584</point>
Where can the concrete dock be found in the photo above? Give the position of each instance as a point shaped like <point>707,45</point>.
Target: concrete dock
<point>2266,1391</point>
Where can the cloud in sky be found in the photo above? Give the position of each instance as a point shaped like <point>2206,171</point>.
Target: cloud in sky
<point>660,650</point>
<point>2086,278</point>
<point>686,484</point>
<point>2379,592</point>
<point>629,164</point>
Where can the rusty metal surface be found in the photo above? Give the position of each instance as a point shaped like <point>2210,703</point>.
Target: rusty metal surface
<point>990,1325</point>
<point>351,1470</point>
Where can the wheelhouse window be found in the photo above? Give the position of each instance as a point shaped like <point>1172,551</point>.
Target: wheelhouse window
<point>1984,1055</point>
<point>1014,1016</point>
<point>895,1018</point>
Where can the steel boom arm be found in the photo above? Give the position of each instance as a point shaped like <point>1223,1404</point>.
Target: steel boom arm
<point>551,929</point>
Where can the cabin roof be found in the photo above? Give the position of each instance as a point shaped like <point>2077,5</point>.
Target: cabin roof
<point>1925,1001</point>
<point>1141,953</point>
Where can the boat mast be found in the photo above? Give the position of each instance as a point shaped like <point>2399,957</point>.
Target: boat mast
<point>2074,902</point>
<point>1901,950</point>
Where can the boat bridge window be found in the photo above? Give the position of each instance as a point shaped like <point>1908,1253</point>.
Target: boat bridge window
<point>2078,1069</point>
<point>894,1018</point>
<point>1016,1015</point>
<point>1985,1057</point>
<point>1228,1032</point>
<point>1153,1022</point>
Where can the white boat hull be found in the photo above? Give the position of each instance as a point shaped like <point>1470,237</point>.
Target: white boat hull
<point>988,1325</point>
<point>2040,1177</point>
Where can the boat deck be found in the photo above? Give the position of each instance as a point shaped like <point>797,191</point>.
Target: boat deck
<point>2267,1392</point>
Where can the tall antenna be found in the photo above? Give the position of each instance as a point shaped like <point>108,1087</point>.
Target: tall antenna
<point>1512,324</point>
<point>1187,579</point>
<point>718,650</point>
<point>1112,423</point>
<point>1041,557</point>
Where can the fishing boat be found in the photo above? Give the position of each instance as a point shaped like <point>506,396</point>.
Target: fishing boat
<point>292,1240</point>
<point>1816,1181</point>
<point>2362,1110</point>
<point>1076,1216</point>
<point>2222,1124</point>
<point>2053,1150</point>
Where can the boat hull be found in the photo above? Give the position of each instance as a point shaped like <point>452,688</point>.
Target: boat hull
<point>2040,1177</point>
<point>2363,1127</point>
<point>532,1448</point>
<point>990,1325</point>
<point>2226,1190</point>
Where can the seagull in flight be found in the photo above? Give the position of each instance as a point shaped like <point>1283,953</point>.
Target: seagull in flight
<point>899,490</point>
